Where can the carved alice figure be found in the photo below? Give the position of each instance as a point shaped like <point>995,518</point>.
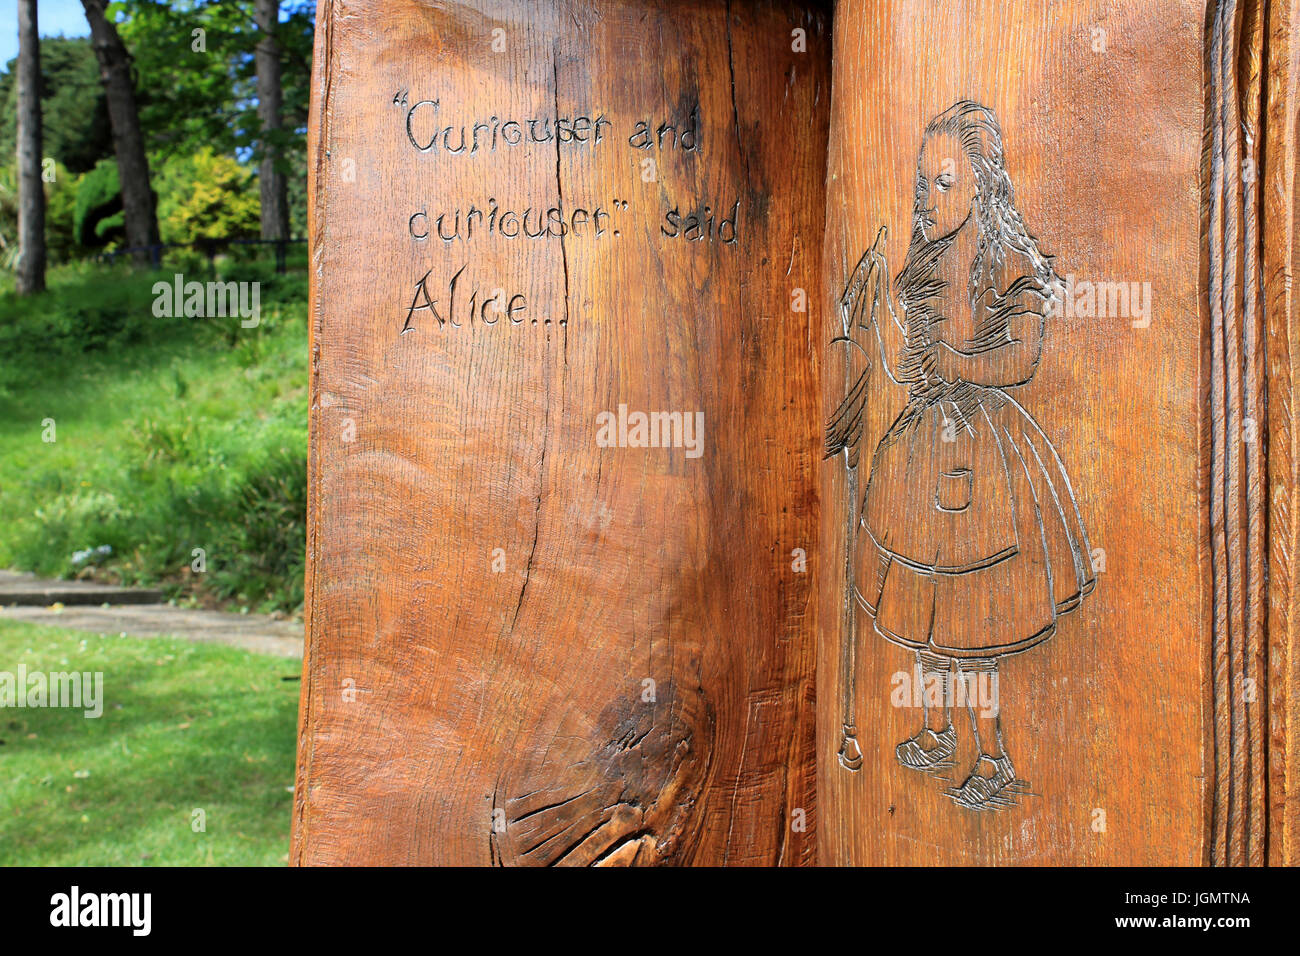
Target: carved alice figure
<point>966,545</point>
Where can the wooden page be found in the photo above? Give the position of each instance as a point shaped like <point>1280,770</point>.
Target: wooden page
<point>564,433</point>
<point>1013,401</point>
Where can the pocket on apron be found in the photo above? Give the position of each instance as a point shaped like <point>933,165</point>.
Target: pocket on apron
<point>954,489</point>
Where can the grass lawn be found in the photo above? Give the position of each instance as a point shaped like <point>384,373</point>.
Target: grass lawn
<point>168,440</point>
<point>185,727</point>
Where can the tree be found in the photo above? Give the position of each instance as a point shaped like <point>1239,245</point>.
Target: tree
<point>197,82</point>
<point>193,63</point>
<point>74,115</point>
<point>274,186</point>
<point>31,190</point>
<point>128,141</point>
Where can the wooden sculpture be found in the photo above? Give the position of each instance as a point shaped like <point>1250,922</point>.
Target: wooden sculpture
<point>779,432</point>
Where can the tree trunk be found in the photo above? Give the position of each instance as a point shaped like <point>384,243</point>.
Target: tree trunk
<point>275,200</point>
<point>31,192</point>
<point>128,141</point>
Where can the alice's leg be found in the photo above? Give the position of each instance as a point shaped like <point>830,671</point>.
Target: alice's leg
<point>936,689</point>
<point>932,747</point>
<point>978,687</point>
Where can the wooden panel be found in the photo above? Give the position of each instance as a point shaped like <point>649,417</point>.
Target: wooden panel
<point>1236,437</point>
<point>491,590</point>
<point>1030,496</point>
<point>1281,263</point>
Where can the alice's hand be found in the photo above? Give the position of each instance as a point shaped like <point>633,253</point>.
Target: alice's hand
<point>946,363</point>
<point>877,284</point>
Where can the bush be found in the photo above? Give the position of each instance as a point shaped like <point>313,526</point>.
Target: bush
<point>61,194</point>
<point>60,217</point>
<point>8,217</point>
<point>97,216</point>
<point>206,196</point>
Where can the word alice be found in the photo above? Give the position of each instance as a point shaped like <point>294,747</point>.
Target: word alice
<point>198,300</point>
<point>75,690</point>
<point>475,308</point>
<point>652,430</point>
<point>74,909</point>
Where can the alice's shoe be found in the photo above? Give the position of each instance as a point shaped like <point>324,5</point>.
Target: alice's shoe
<point>990,786</point>
<point>928,750</point>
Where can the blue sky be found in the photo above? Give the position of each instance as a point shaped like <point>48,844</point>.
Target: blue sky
<point>54,17</point>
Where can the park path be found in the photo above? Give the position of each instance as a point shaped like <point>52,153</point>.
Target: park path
<point>139,612</point>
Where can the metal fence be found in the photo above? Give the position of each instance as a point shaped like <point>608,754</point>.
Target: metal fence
<point>209,247</point>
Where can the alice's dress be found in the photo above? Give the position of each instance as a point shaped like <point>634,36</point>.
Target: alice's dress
<point>970,543</point>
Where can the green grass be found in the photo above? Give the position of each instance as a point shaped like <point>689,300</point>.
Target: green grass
<point>171,435</point>
<point>185,727</point>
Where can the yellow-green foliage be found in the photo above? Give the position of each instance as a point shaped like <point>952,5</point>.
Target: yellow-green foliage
<point>60,215</point>
<point>206,196</point>
<point>60,199</point>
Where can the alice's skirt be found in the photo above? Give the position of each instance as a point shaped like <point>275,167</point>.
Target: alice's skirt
<point>969,542</point>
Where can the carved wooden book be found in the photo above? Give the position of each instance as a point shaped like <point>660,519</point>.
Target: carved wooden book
<point>781,432</point>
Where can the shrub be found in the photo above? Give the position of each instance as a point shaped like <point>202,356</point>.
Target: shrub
<point>99,198</point>
<point>206,196</point>
<point>173,434</point>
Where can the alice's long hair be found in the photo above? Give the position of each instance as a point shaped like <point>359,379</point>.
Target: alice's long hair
<point>1001,227</point>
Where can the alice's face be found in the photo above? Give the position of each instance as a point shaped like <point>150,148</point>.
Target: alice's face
<point>945,188</point>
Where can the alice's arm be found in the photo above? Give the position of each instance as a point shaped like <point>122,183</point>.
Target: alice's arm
<point>890,334</point>
<point>868,303</point>
<point>1008,353</point>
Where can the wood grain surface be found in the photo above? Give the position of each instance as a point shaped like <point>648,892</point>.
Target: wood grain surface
<point>1281,262</point>
<point>1046,451</point>
<point>1101,111</point>
<point>524,647</point>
